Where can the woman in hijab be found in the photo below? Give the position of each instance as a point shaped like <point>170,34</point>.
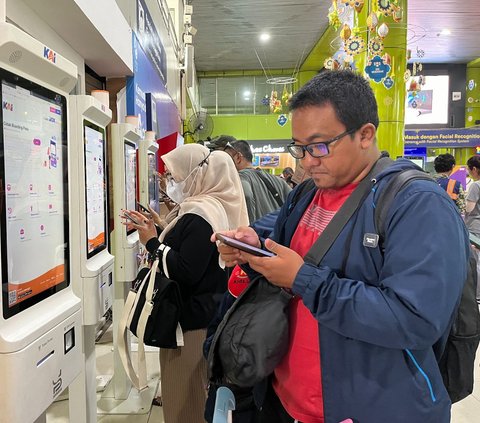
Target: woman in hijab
<point>208,191</point>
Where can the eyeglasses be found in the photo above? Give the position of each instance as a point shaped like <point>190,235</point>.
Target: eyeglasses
<point>316,149</point>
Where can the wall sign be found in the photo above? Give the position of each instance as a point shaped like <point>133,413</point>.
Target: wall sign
<point>460,137</point>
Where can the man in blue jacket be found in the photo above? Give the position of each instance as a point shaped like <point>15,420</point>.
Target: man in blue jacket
<point>364,322</point>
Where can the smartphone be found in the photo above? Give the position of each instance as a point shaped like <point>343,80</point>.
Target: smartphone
<point>243,246</point>
<point>475,240</point>
<point>142,208</point>
<point>128,216</point>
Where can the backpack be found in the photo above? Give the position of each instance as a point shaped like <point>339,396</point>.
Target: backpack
<point>456,363</point>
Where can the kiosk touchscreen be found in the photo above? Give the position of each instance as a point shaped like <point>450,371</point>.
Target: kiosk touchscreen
<point>91,263</point>
<point>147,171</point>
<point>40,317</point>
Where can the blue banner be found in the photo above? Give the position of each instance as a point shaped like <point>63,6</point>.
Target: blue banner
<point>443,138</point>
<point>150,40</point>
<point>145,80</point>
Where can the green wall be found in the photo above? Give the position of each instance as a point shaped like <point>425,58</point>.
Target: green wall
<point>251,127</point>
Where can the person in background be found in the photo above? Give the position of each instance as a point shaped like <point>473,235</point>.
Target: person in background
<point>472,216</point>
<point>364,322</point>
<point>206,203</point>
<point>287,175</point>
<point>444,165</point>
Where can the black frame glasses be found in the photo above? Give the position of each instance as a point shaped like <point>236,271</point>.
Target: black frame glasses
<point>316,149</point>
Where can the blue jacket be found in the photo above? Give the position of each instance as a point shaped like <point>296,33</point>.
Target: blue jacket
<point>380,314</point>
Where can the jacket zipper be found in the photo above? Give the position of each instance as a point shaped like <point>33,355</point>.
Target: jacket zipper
<point>430,388</point>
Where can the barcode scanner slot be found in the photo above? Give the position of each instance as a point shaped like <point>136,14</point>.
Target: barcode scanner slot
<point>40,362</point>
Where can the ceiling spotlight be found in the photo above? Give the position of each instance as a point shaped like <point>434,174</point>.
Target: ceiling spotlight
<point>264,37</point>
<point>445,31</point>
<point>246,93</point>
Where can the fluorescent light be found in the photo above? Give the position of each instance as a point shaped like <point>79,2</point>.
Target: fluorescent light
<point>264,37</point>
<point>247,93</point>
<point>445,31</point>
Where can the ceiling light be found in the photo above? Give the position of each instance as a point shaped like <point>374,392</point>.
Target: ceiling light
<point>246,93</point>
<point>264,37</point>
<point>445,31</point>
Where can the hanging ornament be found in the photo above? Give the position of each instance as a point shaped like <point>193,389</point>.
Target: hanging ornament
<point>266,100</point>
<point>331,64</point>
<point>420,67</point>
<point>397,14</point>
<point>372,21</point>
<point>354,45</point>
<point>273,100</point>
<point>277,108</point>
<point>385,7</point>
<point>345,33</point>
<point>387,59</point>
<point>420,53</point>
<point>359,5</point>
<point>285,95</point>
<point>382,30</point>
<point>375,46</point>
<point>333,17</point>
<point>407,75</point>
<point>392,72</point>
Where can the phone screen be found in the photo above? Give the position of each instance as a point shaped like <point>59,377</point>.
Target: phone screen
<point>129,217</point>
<point>475,240</point>
<point>243,246</point>
<point>142,207</point>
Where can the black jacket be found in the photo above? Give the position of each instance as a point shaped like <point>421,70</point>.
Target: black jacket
<point>193,263</point>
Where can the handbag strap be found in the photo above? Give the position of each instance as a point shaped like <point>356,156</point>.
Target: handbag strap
<point>333,229</point>
<point>270,187</point>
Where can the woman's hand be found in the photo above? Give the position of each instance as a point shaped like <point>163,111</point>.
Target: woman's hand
<point>155,216</point>
<point>145,226</point>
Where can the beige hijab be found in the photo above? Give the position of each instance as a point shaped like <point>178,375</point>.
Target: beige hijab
<point>213,189</point>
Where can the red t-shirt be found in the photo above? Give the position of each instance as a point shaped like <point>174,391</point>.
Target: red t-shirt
<point>298,378</point>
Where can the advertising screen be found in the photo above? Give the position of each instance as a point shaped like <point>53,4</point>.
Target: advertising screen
<point>153,193</point>
<point>95,187</point>
<point>130,177</point>
<point>33,172</point>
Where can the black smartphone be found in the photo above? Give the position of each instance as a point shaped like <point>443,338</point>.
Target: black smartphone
<point>128,216</point>
<point>243,246</point>
<point>142,208</point>
<point>475,240</point>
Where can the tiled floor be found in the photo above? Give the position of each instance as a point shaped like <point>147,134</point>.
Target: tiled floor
<point>466,411</point>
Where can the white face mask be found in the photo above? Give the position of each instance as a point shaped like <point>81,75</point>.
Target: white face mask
<point>175,190</point>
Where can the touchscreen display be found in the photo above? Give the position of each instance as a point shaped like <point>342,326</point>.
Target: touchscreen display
<point>153,193</point>
<point>34,179</point>
<point>130,177</point>
<point>95,187</point>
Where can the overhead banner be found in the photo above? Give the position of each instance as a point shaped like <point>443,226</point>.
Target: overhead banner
<point>443,138</point>
<point>150,40</point>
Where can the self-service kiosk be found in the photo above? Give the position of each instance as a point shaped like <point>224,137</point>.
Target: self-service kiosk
<point>119,397</point>
<point>91,263</point>
<point>40,318</point>
<point>147,171</point>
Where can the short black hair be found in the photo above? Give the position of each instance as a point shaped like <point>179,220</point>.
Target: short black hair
<point>348,93</point>
<point>243,147</point>
<point>444,163</point>
<point>220,142</point>
<point>473,161</point>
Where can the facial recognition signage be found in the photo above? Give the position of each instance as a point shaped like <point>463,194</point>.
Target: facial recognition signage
<point>34,236</point>
<point>95,179</point>
<point>441,138</point>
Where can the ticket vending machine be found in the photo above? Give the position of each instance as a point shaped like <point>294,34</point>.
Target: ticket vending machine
<point>40,316</point>
<point>147,171</point>
<point>91,263</point>
<point>119,397</point>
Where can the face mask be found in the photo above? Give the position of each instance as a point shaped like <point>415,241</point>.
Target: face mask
<point>175,191</point>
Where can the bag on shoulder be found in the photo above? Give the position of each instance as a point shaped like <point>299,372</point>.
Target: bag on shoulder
<point>243,353</point>
<point>151,312</point>
<point>457,361</point>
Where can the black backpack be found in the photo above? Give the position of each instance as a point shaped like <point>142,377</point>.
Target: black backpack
<point>457,361</point>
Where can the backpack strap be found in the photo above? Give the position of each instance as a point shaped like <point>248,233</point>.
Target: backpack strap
<point>388,193</point>
<point>451,189</point>
<point>270,187</point>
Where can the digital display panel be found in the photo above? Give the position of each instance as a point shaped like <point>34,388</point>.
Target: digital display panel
<point>130,177</point>
<point>153,192</point>
<point>33,171</point>
<point>95,187</point>
<point>429,103</point>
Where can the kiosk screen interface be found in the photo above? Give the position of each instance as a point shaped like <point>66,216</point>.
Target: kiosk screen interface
<point>34,183</point>
<point>153,193</point>
<point>95,184</point>
<point>130,177</point>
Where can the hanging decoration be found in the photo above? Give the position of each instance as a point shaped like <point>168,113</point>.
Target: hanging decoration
<point>372,21</point>
<point>359,5</point>
<point>266,100</point>
<point>275,103</point>
<point>331,64</point>
<point>354,45</point>
<point>376,69</point>
<point>385,7</point>
<point>382,30</point>
<point>345,33</point>
<point>333,18</point>
<point>375,46</point>
<point>286,96</point>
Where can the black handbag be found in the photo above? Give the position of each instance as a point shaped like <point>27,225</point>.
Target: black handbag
<point>151,312</point>
<point>253,336</point>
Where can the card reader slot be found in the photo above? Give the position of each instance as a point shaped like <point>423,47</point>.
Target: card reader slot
<point>40,362</point>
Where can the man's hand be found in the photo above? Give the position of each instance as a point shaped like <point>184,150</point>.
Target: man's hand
<point>280,270</point>
<point>230,255</point>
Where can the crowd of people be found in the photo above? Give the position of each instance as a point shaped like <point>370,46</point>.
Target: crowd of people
<point>363,322</point>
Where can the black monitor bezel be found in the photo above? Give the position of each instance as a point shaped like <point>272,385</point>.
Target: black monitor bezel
<point>100,248</point>
<point>45,93</point>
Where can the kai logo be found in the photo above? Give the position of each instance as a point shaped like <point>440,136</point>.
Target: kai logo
<point>57,385</point>
<point>7,106</point>
<point>49,54</point>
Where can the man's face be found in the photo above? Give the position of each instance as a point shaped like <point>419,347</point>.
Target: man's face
<point>343,163</point>
<point>235,155</point>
